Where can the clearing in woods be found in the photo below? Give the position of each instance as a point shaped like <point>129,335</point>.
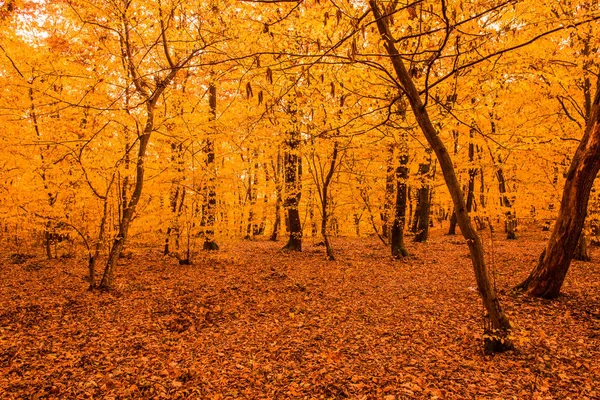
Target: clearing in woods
<point>250,321</point>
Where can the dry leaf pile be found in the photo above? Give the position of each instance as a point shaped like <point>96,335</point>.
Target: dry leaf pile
<point>250,321</point>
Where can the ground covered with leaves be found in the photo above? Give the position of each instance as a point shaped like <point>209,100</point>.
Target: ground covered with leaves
<point>251,321</point>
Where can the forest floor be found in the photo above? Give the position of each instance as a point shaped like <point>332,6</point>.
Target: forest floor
<point>252,322</point>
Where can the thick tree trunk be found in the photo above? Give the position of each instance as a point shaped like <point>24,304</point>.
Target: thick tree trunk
<point>548,276</point>
<point>397,234</point>
<point>497,331</point>
<point>292,164</point>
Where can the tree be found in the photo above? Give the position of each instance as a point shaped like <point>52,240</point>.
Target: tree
<point>149,91</point>
<point>292,174</point>
<point>547,277</point>
<point>397,231</point>
<point>497,332</point>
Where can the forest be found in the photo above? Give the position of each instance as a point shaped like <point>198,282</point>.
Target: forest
<point>316,199</point>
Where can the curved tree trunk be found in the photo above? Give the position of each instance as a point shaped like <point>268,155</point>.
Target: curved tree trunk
<point>129,211</point>
<point>547,278</point>
<point>324,194</point>
<point>498,326</point>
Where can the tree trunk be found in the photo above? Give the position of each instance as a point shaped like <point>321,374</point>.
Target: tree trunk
<point>211,196</point>
<point>129,210</point>
<point>325,202</point>
<point>472,175</point>
<point>452,228</point>
<point>292,164</point>
<point>176,203</point>
<point>278,199</point>
<point>547,278</point>
<point>423,209</point>
<point>582,252</point>
<point>498,328</point>
<point>389,194</point>
<point>510,222</point>
<point>397,234</point>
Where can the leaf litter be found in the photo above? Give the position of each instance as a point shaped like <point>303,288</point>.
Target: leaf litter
<point>251,321</point>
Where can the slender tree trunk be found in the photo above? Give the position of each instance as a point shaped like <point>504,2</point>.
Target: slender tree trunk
<point>292,165</point>
<point>472,175</point>
<point>510,222</point>
<point>389,193</point>
<point>325,202</point>
<point>423,209</point>
<point>452,228</point>
<point>582,252</point>
<point>397,234</point>
<point>278,198</point>
<point>498,327</point>
<point>547,278</point>
<point>129,211</point>
<point>176,203</point>
<point>211,196</point>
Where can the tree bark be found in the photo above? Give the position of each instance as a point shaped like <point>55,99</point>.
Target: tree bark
<point>389,194</point>
<point>129,210</point>
<point>211,196</point>
<point>510,222</point>
<point>452,228</point>
<point>548,276</point>
<point>423,209</point>
<point>582,252</point>
<point>498,328</point>
<point>397,234</point>
<point>278,199</point>
<point>324,194</point>
<point>292,164</point>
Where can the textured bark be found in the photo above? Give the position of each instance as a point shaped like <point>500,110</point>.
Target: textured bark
<point>292,164</point>
<point>397,234</point>
<point>547,278</point>
<point>498,328</point>
<point>423,209</point>
<point>211,196</point>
